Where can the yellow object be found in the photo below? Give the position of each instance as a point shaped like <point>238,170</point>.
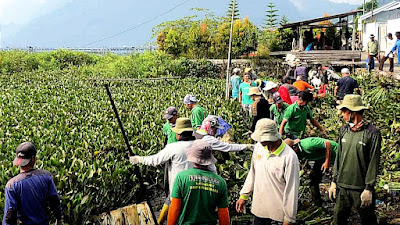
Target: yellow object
<point>163,214</point>
<point>247,70</point>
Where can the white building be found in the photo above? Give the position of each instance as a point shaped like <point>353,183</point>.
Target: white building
<point>384,20</point>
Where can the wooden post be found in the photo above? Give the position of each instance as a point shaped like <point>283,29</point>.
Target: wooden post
<point>300,39</point>
<point>229,52</point>
<point>353,36</point>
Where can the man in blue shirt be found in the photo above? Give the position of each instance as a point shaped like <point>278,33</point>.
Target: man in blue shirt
<point>30,192</point>
<point>235,83</point>
<point>397,46</point>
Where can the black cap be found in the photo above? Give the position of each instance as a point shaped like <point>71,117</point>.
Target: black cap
<point>25,153</point>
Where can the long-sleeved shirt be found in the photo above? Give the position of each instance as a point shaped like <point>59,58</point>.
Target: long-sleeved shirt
<point>357,161</point>
<point>27,196</point>
<point>174,155</point>
<point>397,46</point>
<point>373,47</point>
<point>259,110</point>
<point>274,180</point>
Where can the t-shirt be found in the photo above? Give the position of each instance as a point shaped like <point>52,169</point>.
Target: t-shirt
<point>297,118</point>
<point>198,115</point>
<point>201,192</point>
<point>302,85</point>
<point>235,82</point>
<point>244,88</point>
<point>373,47</point>
<point>277,115</point>
<point>29,193</point>
<point>314,148</point>
<point>291,88</point>
<point>346,86</point>
<point>169,133</point>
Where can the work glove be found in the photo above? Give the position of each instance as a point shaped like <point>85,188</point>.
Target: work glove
<point>366,198</point>
<point>135,159</point>
<point>250,147</point>
<point>332,191</point>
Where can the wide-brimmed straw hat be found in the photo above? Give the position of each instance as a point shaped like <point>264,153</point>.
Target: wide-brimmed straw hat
<point>270,85</point>
<point>353,103</point>
<point>200,153</point>
<point>254,91</point>
<point>182,125</point>
<point>266,130</point>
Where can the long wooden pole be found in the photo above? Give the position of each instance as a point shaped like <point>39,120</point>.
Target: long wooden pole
<point>229,52</point>
<point>372,10</point>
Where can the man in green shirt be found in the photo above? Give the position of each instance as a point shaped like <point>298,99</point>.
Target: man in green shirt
<point>244,99</point>
<point>198,192</point>
<point>277,110</point>
<point>372,50</point>
<point>320,151</point>
<point>356,164</point>
<point>171,114</point>
<point>198,113</point>
<point>295,118</point>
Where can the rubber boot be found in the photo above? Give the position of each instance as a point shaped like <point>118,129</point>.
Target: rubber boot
<point>163,214</point>
<point>316,196</point>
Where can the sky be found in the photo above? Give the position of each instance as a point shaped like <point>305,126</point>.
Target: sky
<point>75,23</point>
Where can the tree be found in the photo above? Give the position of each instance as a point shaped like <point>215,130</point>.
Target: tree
<point>368,5</point>
<point>284,20</point>
<point>229,12</point>
<point>271,20</point>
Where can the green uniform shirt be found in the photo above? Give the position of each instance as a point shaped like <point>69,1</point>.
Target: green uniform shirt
<point>297,118</point>
<point>198,115</point>
<point>357,160</point>
<point>169,133</point>
<point>244,88</point>
<point>314,148</point>
<point>201,193</point>
<point>276,114</point>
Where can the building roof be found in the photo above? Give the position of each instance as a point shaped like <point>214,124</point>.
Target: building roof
<point>388,7</point>
<point>307,22</point>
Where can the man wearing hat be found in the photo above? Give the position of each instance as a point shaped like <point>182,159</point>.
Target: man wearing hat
<point>208,131</point>
<point>173,155</point>
<point>276,90</point>
<point>235,83</point>
<point>29,193</point>
<point>277,110</point>
<point>198,192</point>
<point>388,53</point>
<point>356,164</point>
<point>320,151</point>
<point>198,112</point>
<point>244,88</point>
<point>372,50</point>
<point>259,108</point>
<point>345,85</point>
<point>251,72</point>
<point>171,114</point>
<point>273,178</point>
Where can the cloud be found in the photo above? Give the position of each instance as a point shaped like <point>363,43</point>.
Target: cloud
<point>299,4</point>
<point>350,2</point>
<point>23,11</point>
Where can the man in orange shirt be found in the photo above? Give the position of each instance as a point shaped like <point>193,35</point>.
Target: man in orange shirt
<point>302,85</point>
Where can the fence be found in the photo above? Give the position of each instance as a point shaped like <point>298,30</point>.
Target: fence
<point>98,51</point>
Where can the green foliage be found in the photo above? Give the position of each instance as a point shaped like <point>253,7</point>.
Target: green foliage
<point>274,40</point>
<point>271,20</point>
<point>368,5</point>
<point>236,14</point>
<point>284,20</point>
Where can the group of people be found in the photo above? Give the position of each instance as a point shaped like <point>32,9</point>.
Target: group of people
<point>198,195</point>
<point>373,51</point>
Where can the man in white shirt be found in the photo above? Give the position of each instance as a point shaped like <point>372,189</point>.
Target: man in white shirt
<point>388,54</point>
<point>273,178</point>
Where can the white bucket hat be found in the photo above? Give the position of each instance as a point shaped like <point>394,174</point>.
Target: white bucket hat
<point>270,85</point>
<point>266,130</point>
